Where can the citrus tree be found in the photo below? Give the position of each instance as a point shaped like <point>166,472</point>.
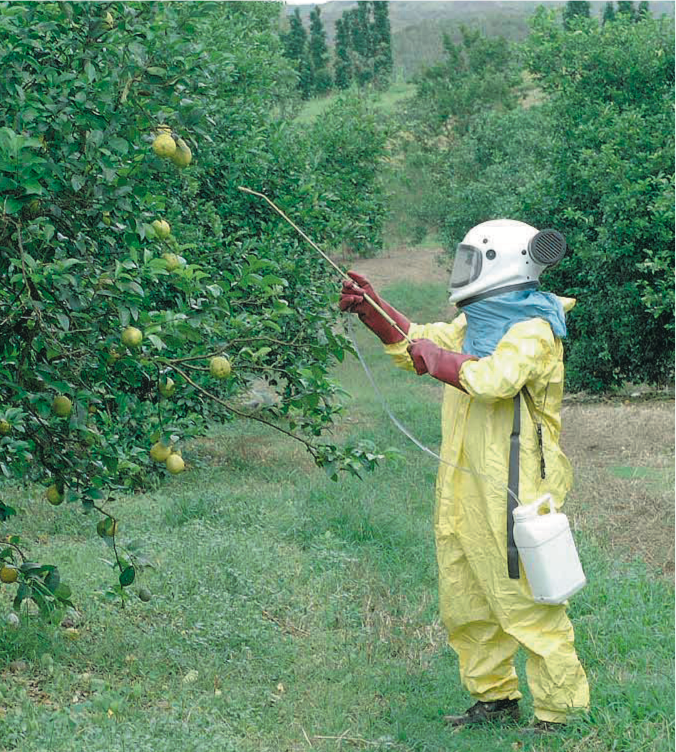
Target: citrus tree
<point>144,296</point>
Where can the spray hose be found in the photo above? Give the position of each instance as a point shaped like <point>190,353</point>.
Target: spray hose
<point>402,428</point>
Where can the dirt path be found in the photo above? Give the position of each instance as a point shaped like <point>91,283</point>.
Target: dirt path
<point>417,265</point>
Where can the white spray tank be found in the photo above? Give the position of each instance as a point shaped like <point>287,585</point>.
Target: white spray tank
<point>547,552</point>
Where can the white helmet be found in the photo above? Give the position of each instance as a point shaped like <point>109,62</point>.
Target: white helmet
<point>500,256</point>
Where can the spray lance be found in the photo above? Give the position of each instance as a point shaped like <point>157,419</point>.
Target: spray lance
<point>547,548</point>
<point>342,273</point>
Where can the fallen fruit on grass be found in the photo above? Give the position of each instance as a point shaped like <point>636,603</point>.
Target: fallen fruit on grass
<point>162,228</point>
<point>5,427</point>
<point>12,620</point>
<point>167,387</point>
<point>9,574</point>
<point>182,157</point>
<point>175,464</point>
<point>144,594</point>
<point>164,145</point>
<point>172,261</point>
<point>61,406</point>
<point>160,452</point>
<point>219,367</point>
<point>132,337</point>
<point>54,495</point>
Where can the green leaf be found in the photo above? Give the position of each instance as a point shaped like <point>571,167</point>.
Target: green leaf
<point>62,592</point>
<point>52,580</point>
<point>127,576</point>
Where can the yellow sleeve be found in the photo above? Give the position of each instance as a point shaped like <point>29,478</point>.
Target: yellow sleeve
<point>523,354</point>
<point>449,335</point>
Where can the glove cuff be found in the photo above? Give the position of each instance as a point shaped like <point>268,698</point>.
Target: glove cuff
<point>381,327</point>
<point>447,365</point>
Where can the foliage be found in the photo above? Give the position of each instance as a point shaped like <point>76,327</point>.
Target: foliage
<point>87,88</point>
<point>477,74</point>
<point>626,8</point>
<point>574,9</point>
<point>382,64</point>
<point>318,54</point>
<point>346,146</point>
<point>342,66</point>
<point>611,90</point>
<point>435,177</point>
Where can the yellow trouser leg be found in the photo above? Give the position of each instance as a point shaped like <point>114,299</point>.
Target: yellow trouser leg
<point>556,678</point>
<point>485,651</point>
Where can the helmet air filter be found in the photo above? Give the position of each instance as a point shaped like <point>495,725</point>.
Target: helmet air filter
<point>547,248</point>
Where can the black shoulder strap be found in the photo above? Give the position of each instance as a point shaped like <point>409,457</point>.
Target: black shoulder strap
<point>513,493</point>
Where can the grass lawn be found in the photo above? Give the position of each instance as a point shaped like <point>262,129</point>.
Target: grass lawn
<point>385,102</point>
<point>290,612</point>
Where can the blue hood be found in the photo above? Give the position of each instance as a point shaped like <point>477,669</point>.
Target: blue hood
<point>489,320</point>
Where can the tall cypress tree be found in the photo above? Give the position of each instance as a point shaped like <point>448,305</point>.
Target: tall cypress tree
<point>319,53</point>
<point>643,10</point>
<point>342,67</point>
<point>382,42</point>
<point>295,48</point>
<point>361,42</point>
<point>626,8</point>
<point>296,38</point>
<point>576,9</point>
<point>608,13</point>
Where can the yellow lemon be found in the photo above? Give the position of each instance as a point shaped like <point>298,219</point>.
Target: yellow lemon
<point>132,337</point>
<point>182,157</point>
<point>5,427</point>
<point>108,20</point>
<point>159,452</point>
<point>164,145</point>
<point>219,367</point>
<point>175,464</point>
<point>172,260</point>
<point>162,228</point>
<point>62,406</point>
<point>8,574</point>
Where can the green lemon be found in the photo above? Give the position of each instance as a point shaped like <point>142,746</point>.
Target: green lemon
<point>132,337</point>
<point>219,367</point>
<point>61,406</point>
<point>175,464</point>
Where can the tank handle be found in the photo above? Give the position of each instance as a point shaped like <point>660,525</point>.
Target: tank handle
<point>546,499</point>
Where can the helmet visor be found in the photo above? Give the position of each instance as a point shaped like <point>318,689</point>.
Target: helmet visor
<point>466,267</point>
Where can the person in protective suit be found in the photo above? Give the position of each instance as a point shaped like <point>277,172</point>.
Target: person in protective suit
<point>505,344</point>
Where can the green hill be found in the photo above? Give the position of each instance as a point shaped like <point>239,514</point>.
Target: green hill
<point>418,27</point>
<point>410,12</point>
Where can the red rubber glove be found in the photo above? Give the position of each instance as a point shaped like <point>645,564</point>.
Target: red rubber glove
<point>439,363</point>
<point>352,300</point>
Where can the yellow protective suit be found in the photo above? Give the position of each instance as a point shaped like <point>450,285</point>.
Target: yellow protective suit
<point>487,615</point>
